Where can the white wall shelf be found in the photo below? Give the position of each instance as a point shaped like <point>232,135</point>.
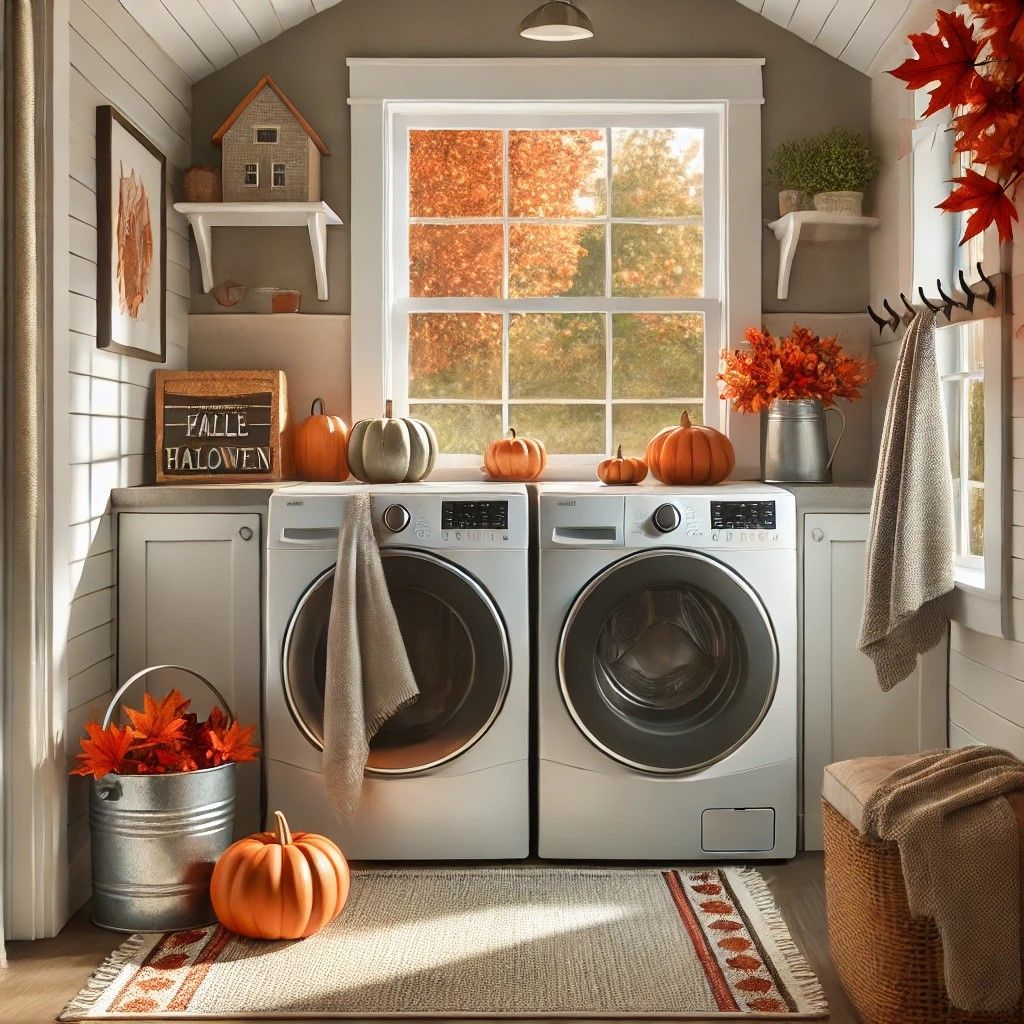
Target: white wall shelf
<point>315,217</point>
<point>821,227</point>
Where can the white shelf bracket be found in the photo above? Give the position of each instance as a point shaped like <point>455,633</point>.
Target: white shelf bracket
<point>204,246</point>
<point>317,225</point>
<point>788,241</point>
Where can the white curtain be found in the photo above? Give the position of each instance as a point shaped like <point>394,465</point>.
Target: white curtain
<point>24,354</point>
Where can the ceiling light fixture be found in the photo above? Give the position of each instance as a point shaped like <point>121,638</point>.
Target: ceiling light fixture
<point>557,21</point>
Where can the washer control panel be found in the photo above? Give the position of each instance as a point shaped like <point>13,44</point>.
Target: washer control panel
<point>474,515</point>
<point>743,515</point>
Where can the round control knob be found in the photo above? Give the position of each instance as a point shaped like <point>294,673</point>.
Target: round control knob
<point>666,518</point>
<point>396,518</point>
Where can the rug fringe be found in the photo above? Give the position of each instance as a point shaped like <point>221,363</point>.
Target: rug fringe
<point>803,976</point>
<point>103,977</point>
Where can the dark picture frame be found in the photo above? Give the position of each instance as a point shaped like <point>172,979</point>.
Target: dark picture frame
<point>115,326</point>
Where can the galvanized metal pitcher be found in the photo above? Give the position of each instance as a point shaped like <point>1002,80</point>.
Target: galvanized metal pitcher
<point>796,442</point>
<point>156,838</point>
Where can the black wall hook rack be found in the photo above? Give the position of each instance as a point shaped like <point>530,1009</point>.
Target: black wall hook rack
<point>984,289</point>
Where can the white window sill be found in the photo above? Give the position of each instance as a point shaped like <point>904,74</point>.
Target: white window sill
<point>971,580</point>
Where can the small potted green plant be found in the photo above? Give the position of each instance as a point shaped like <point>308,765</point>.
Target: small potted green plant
<point>841,165</point>
<point>789,167</point>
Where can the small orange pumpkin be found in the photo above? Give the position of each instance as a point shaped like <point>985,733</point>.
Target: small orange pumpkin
<point>273,885</point>
<point>690,455</point>
<point>620,470</point>
<point>321,446</point>
<point>515,458</point>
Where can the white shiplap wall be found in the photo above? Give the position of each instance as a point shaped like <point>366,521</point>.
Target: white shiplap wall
<point>113,61</point>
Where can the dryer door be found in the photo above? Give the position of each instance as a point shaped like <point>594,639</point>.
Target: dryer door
<point>668,661</point>
<point>458,647</point>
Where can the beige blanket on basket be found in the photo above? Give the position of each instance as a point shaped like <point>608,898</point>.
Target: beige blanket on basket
<point>911,544</point>
<point>369,678</point>
<point>959,847</point>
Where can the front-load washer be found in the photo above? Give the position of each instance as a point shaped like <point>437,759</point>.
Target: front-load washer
<point>448,776</point>
<point>666,679</point>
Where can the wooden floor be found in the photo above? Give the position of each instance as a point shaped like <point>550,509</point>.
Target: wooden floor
<point>43,976</point>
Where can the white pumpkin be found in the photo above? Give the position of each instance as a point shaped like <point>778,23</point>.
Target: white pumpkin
<point>392,449</point>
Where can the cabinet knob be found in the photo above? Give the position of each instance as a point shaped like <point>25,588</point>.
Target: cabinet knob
<point>817,534</point>
<point>245,532</point>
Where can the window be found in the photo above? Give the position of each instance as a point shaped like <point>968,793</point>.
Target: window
<point>277,178</point>
<point>961,356</point>
<point>559,279</point>
<point>523,262</point>
<point>264,134</point>
<point>252,175</point>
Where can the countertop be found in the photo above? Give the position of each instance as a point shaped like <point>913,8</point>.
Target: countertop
<point>843,497</point>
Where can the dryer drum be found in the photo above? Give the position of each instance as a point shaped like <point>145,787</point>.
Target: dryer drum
<point>668,661</point>
<point>458,647</point>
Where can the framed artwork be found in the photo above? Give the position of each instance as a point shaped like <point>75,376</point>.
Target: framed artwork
<point>131,256</point>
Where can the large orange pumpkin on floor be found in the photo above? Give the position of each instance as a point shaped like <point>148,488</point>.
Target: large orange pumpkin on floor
<point>515,458</point>
<point>690,455</point>
<point>273,885</point>
<point>620,470</point>
<point>321,446</point>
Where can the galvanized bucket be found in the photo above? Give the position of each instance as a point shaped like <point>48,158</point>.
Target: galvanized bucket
<point>796,442</point>
<point>156,838</point>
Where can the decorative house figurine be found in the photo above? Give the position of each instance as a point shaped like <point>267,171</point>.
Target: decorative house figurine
<point>269,151</point>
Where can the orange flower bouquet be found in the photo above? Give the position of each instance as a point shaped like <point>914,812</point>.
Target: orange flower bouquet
<point>802,365</point>
<point>164,738</point>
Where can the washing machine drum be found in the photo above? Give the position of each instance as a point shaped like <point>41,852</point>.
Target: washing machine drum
<point>668,661</point>
<point>457,646</point>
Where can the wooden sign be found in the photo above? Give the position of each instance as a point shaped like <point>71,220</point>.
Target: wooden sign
<point>222,426</point>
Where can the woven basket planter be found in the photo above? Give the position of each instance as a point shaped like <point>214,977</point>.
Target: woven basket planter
<point>889,962</point>
<point>201,184</point>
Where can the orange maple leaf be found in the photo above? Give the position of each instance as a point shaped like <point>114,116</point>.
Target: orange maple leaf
<point>988,198</point>
<point>232,744</point>
<point>1004,24</point>
<point>104,751</point>
<point>159,721</point>
<point>948,58</point>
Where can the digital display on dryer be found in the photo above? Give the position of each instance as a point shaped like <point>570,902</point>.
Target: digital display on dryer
<point>743,515</point>
<point>474,515</point>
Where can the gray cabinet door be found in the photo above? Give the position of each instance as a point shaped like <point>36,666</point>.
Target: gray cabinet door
<point>189,594</point>
<point>846,714</point>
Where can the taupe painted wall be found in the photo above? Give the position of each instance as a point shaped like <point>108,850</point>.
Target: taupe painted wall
<point>805,89</point>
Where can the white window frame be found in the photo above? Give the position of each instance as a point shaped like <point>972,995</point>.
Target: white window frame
<point>284,174</point>
<point>245,175</point>
<point>983,596</point>
<point>257,141</point>
<point>384,91</point>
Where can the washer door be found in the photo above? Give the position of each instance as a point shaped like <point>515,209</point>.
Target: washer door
<point>668,661</point>
<point>457,645</point>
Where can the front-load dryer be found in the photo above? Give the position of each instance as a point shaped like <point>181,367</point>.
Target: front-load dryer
<point>448,776</point>
<point>666,686</point>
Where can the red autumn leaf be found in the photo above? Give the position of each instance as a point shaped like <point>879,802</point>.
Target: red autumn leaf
<point>159,722</point>
<point>946,57</point>
<point>104,751</point>
<point>1003,23</point>
<point>988,199</point>
<point>1002,145</point>
<point>232,744</point>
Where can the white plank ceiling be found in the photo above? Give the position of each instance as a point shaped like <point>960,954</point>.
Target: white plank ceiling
<point>204,35</point>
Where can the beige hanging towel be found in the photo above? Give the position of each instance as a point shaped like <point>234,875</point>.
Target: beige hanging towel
<point>910,547</point>
<point>369,678</point>
<point>959,848</point>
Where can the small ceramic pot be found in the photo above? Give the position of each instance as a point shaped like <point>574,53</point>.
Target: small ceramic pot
<point>792,200</point>
<point>850,204</point>
<point>286,302</point>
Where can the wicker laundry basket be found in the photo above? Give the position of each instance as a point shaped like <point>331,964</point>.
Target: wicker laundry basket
<point>889,962</point>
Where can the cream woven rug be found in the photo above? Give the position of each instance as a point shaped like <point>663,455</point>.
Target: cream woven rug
<point>507,942</point>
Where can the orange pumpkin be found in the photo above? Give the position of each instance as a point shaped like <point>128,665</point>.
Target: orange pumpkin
<point>620,470</point>
<point>515,458</point>
<point>273,885</point>
<point>690,455</point>
<point>320,447</point>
